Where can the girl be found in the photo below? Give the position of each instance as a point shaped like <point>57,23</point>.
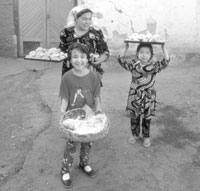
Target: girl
<point>142,95</point>
<point>79,87</point>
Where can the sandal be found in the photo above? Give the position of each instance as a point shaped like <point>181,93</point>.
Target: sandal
<point>88,170</point>
<point>147,142</point>
<point>65,178</point>
<point>132,139</point>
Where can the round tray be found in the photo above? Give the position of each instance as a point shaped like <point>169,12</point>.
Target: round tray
<point>79,114</point>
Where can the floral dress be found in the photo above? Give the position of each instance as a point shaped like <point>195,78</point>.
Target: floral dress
<point>142,95</point>
<point>93,39</point>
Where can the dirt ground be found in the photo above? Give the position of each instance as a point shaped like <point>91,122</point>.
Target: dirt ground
<point>31,146</point>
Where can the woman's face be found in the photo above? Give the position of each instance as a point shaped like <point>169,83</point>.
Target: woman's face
<point>79,60</point>
<point>84,21</point>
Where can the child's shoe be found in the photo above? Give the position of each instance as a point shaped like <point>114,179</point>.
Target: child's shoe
<point>88,170</point>
<point>132,139</point>
<point>147,142</point>
<point>66,179</point>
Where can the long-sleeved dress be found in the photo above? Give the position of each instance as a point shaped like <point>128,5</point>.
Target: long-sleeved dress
<point>142,94</point>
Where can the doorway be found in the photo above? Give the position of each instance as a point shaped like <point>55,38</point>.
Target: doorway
<point>40,23</point>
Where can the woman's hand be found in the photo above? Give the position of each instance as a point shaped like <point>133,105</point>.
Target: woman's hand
<point>100,59</point>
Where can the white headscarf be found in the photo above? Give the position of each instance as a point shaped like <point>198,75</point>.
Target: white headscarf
<point>72,15</point>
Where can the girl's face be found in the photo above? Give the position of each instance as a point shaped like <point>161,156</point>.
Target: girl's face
<point>144,54</point>
<point>79,60</point>
<point>84,21</point>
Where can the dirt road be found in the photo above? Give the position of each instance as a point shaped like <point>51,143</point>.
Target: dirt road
<point>31,146</point>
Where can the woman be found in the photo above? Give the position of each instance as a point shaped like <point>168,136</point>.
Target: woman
<point>80,29</point>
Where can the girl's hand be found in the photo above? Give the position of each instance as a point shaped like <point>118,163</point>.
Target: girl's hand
<point>68,127</point>
<point>163,45</point>
<point>98,112</point>
<point>123,53</point>
<point>126,45</point>
<point>61,122</point>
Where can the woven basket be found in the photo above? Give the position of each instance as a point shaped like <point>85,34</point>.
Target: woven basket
<point>80,114</point>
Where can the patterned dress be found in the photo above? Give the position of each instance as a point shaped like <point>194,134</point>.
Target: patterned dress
<point>142,95</point>
<point>93,39</point>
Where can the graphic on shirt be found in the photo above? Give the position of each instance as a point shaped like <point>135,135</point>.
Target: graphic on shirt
<point>79,98</point>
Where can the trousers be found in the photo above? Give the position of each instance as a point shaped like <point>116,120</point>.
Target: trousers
<point>70,150</point>
<point>135,127</point>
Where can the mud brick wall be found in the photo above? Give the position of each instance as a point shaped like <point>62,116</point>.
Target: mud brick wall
<point>8,38</point>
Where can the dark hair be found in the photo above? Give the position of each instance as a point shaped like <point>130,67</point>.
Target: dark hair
<point>81,47</point>
<point>147,45</point>
<point>83,12</point>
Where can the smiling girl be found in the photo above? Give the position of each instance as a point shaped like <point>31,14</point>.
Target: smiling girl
<point>142,94</point>
<point>79,87</point>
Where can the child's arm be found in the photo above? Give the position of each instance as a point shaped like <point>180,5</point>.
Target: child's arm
<point>160,65</point>
<point>123,53</point>
<point>165,52</point>
<point>64,105</point>
<point>63,108</point>
<point>125,63</point>
<point>98,104</point>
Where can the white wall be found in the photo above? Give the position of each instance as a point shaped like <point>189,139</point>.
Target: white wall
<point>178,21</point>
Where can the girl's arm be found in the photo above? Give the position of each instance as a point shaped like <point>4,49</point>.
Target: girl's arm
<point>160,65</point>
<point>128,64</point>
<point>63,108</point>
<point>123,53</point>
<point>98,104</point>
<point>165,52</point>
<point>64,105</point>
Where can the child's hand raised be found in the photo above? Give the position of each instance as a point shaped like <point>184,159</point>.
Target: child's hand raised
<point>126,45</point>
<point>163,45</point>
<point>123,53</point>
<point>164,49</point>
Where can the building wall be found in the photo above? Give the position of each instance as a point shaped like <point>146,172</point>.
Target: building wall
<point>177,21</point>
<point>8,38</point>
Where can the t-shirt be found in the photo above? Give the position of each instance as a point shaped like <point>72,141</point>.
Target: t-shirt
<point>79,91</point>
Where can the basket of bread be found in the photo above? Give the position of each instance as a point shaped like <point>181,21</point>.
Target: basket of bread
<point>84,125</point>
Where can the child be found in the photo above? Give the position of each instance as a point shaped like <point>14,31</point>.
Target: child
<point>142,95</point>
<point>79,87</point>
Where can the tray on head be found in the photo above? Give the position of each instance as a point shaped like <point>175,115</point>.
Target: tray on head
<point>140,41</point>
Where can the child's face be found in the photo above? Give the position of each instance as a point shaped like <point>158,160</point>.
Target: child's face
<point>78,60</point>
<point>144,54</point>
